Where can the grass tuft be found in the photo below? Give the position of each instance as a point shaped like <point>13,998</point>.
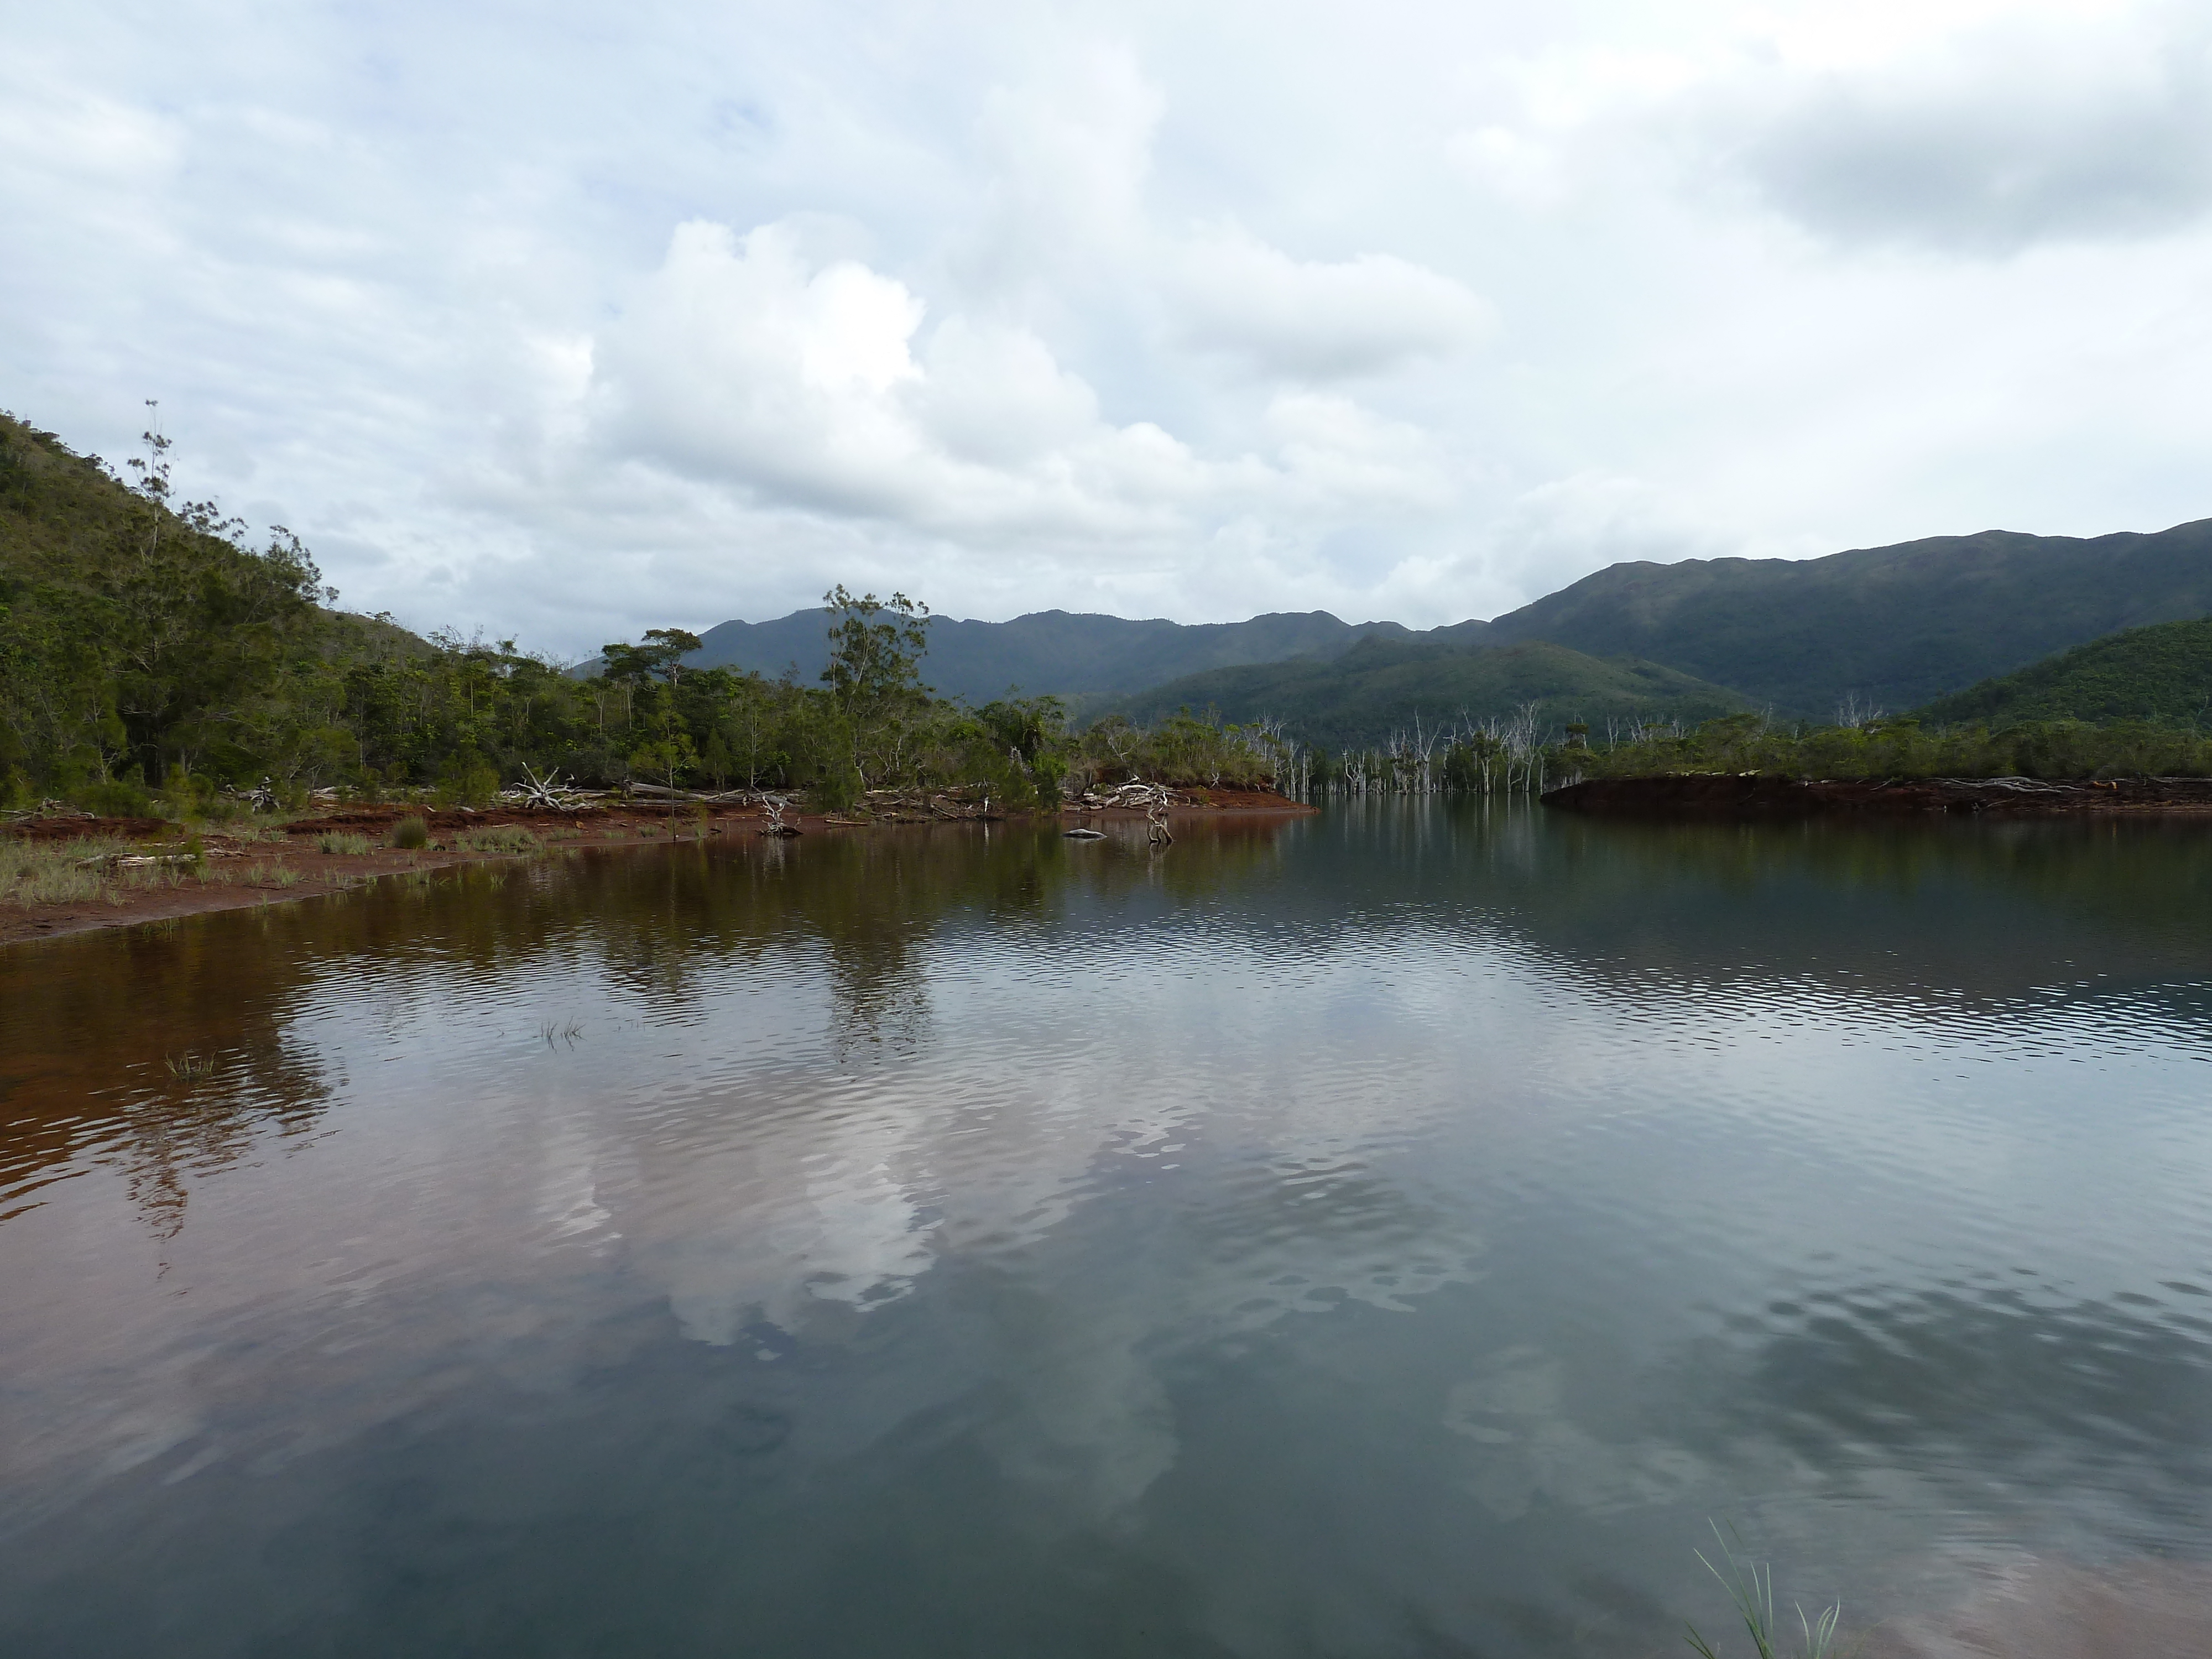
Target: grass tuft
<point>503,838</point>
<point>335,841</point>
<point>1750,1585</point>
<point>410,832</point>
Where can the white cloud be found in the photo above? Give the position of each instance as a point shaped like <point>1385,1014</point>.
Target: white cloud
<point>2016,131</point>
<point>1317,319</point>
<point>814,387</point>
<point>1422,312</point>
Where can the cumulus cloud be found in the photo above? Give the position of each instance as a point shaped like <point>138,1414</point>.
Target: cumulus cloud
<point>817,387</point>
<point>1419,312</point>
<point>1316,318</point>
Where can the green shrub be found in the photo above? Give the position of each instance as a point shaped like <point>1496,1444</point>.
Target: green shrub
<point>467,781</point>
<point>337,841</point>
<point>838,789</point>
<point>116,800</point>
<point>410,832</point>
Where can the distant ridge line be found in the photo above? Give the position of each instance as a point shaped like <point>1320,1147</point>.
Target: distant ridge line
<point>1899,626</point>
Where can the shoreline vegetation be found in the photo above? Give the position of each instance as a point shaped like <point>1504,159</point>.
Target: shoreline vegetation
<point>163,681</point>
<point>61,875</point>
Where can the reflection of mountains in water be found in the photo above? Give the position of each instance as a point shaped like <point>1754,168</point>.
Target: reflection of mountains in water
<point>1930,918</point>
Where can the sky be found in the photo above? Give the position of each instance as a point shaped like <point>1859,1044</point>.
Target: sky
<point>559,322</point>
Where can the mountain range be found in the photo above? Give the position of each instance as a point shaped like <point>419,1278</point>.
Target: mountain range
<point>1080,657</point>
<point>1892,627</point>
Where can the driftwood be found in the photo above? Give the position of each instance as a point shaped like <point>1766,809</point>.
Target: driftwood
<point>1134,793</point>
<point>48,809</point>
<point>558,794</point>
<point>702,797</point>
<point>262,798</point>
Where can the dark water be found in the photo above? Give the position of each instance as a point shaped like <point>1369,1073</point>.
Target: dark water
<point>1393,1233</point>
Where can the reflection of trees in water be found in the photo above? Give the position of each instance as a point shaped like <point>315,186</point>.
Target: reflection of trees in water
<point>1942,911</point>
<point>668,920</point>
<point>97,1031</point>
<point>197,1128</point>
<point>90,1025</point>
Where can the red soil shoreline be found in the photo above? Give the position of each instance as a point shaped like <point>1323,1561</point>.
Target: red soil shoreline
<point>318,872</point>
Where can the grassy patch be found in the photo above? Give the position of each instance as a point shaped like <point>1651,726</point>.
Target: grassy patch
<point>59,873</point>
<point>410,833</point>
<point>503,838</point>
<point>334,841</point>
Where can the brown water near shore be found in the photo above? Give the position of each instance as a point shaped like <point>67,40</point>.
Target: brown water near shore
<point>312,871</point>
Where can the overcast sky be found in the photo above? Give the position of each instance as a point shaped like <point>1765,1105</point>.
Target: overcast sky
<point>565,321</point>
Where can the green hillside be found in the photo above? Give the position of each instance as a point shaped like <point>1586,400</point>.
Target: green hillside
<point>138,636</point>
<point>1085,659</point>
<point>1897,626</point>
<point>2161,673</point>
<point>1380,686</point>
<point>149,658</point>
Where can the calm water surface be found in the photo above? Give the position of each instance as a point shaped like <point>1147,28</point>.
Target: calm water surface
<point>1390,1233</point>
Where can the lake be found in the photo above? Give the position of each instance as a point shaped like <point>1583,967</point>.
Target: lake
<point>1396,1231</point>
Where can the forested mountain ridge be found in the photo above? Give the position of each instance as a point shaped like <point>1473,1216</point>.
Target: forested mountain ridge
<point>1897,626</point>
<point>1384,686</point>
<point>2162,673</point>
<point>1057,653</point>
<point>1892,626</point>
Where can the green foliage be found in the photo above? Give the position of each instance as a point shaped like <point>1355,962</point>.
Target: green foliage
<point>136,633</point>
<point>836,788</point>
<point>466,779</point>
<point>503,838</point>
<point>1382,686</point>
<point>147,654</point>
<point>1185,750</point>
<point>876,647</point>
<point>2160,674</point>
<point>119,798</point>
<point>659,657</point>
<point>1750,1585</point>
<point>338,842</point>
<point>410,833</point>
<point>1904,748</point>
